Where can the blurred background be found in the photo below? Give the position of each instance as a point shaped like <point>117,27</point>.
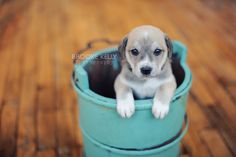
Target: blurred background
<point>38,106</point>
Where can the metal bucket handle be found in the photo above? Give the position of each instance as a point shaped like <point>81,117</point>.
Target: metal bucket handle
<point>79,76</point>
<point>91,44</point>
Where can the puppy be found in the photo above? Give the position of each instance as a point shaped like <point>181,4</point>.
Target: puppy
<point>146,71</point>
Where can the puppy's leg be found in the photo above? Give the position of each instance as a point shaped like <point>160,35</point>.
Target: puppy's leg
<point>125,100</point>
<point>162,99</point>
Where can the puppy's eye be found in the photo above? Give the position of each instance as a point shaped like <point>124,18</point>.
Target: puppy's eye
<point>157,52</point>
<point>134,52</point>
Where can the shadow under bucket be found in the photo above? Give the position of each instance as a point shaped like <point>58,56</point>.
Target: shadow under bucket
<point>93,81</point>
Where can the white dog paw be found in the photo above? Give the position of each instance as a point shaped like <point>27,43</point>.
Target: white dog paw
<point>125,108</point>
<point>160,110</point>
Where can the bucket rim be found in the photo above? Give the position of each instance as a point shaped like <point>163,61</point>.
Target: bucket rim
<point>139,104</point>
<point>141,152</point>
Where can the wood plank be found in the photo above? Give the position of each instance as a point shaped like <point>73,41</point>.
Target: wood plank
<point>194,144</point>
<point>220,123</point>
<point>65,135</point>
<point>185,155</point>
<point>219,93</point>
<point>215,143</point>
<point>200,90</point>
<point>232,91</point>
<point>46,153</point>
<point>8,25</point>
<point>198,118</point>
<point>26,145</point>
<point>9,111</point>
<point>198,121</point>
<point>46,105</point>
<point>4,59</point>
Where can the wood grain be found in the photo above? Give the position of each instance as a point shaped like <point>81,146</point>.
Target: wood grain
<point>38,106</point>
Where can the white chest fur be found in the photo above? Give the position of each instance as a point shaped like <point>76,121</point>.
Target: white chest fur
<point>147,88</point>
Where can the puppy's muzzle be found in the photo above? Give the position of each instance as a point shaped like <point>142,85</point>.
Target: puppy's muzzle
<point>146,70</point>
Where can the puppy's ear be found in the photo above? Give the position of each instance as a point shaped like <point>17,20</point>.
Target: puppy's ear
<point>122,46</point>
<point>169,46</point>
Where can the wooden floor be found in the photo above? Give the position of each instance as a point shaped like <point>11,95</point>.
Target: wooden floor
<point>38,110</point>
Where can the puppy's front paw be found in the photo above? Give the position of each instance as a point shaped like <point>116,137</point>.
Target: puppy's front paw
<point>125,108</point>
<point>160,110</point>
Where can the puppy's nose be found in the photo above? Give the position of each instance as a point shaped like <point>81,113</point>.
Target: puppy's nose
<point>146,70</point>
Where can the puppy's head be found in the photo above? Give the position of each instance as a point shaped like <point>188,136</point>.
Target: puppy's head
<point>146,49</point>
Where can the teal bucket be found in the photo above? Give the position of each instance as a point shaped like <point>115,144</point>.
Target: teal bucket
<point>95,149</point>
<point>105,132</point>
